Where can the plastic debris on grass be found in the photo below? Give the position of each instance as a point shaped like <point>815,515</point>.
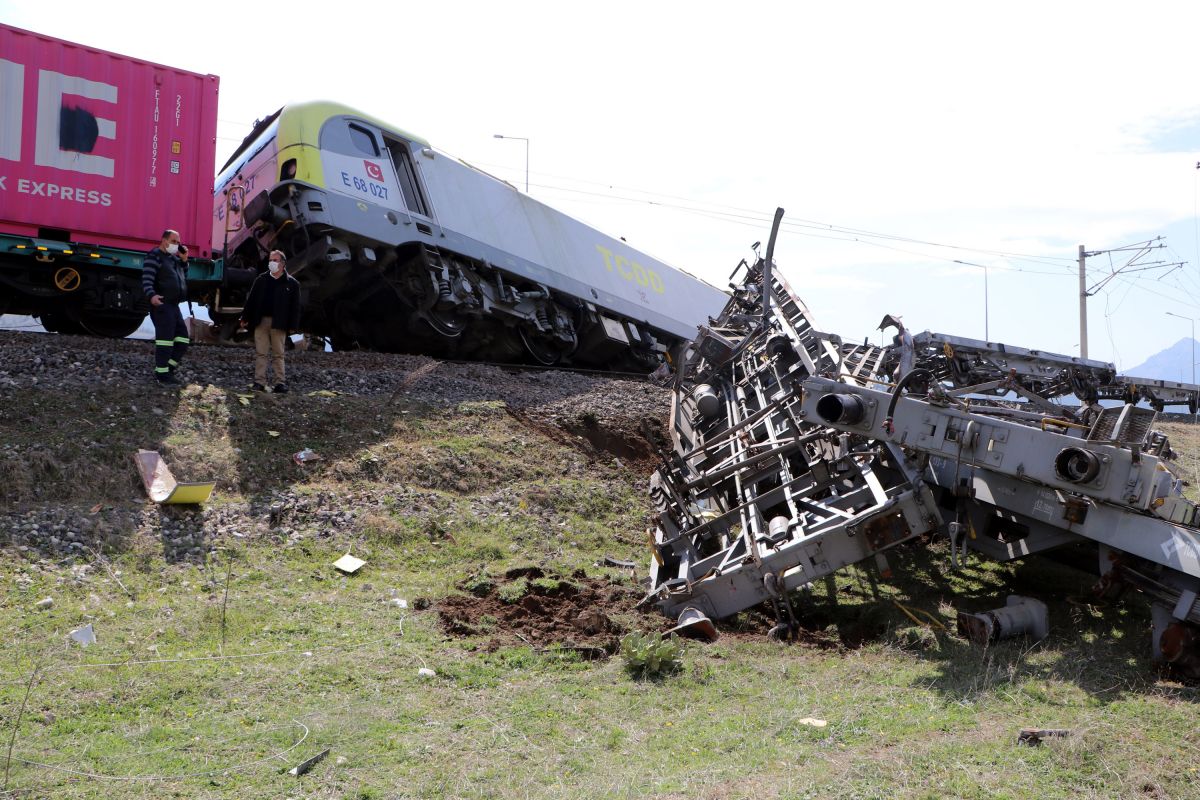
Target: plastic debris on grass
<point>85,635</point>
<point>305,456</point>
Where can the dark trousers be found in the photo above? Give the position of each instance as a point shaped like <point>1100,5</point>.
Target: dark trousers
<point>170,337</point>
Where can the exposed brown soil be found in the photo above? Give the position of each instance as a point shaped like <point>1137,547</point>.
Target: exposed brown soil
<point>635,440</point>
<point>527,609</point>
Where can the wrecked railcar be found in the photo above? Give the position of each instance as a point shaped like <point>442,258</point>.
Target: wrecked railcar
<point>795,455</point>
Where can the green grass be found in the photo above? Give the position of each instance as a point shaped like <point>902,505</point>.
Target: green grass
<point>912,712</point>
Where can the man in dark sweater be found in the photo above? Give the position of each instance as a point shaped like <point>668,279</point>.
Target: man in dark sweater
<point>272,311</point>
<point>164,282</point>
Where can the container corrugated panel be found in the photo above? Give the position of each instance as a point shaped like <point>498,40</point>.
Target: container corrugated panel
<point>110,149</point>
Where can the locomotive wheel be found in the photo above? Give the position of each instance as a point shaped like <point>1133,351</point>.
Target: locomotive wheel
<point>110,325</point>
<point>541,350</point>
<point>445,323</point>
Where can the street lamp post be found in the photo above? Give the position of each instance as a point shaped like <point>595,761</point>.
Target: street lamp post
<point>526,141</point>
<point>986,332</point>
<point>1192,321</point>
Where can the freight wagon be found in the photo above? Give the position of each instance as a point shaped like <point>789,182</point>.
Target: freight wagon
<point>98,154</point>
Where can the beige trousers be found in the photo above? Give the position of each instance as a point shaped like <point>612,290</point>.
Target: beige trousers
<point>268,341</point>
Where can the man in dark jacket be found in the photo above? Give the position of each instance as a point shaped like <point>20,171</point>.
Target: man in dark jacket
<point>164,282</point>
<point>272,311</point>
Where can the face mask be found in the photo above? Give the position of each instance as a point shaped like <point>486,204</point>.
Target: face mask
<point>276,267</point>
<point>172,249</point>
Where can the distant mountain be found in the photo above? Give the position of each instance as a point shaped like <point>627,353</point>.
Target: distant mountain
<point>1172,364</point>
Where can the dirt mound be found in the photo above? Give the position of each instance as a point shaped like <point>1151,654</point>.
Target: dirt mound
<point>527,607</point>
<point>636,440</point>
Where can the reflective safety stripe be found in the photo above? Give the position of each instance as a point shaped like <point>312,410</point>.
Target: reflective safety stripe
<point>182,340</point>
<point>162,369</point>
<point>163,343</point>
<point>172,362</point>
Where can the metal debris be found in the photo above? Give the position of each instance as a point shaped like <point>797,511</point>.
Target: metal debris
<point>1032,737</point>
<point>161,485</point>
<point>1020,615</point>
<point>307,764</point>
<point>795,454</point>
<point>693,624</point>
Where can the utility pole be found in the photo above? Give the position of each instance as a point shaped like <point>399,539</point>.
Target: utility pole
<point>1082,302</point>
<point>1133,265</point>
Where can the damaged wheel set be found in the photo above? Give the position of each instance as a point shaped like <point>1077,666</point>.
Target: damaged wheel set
<point>794,456</point>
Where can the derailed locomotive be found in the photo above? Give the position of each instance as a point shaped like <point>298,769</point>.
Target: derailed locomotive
<point>399,247</point>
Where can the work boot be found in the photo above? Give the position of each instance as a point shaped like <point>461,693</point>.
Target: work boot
<point>258,387</point>
<point>166,378</point>
<point>280,388</point>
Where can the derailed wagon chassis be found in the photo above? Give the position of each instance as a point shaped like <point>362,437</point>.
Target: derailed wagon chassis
<point>794,455</point>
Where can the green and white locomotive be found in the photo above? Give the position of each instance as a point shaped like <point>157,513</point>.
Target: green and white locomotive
<point>400,247</point>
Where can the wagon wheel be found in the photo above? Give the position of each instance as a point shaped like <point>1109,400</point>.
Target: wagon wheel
<point>110,325</point>
<point>60,322</point>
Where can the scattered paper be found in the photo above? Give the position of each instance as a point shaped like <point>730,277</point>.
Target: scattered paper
<point>348,564</point>
<point>399,602</point>
<point>272,433</point>
<point>323,393</point>
<point>96,508</point>
<point>244,399</point>
<point>816,723</point>
<point>85,635</point>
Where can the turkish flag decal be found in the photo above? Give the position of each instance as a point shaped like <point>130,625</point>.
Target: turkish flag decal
<point>374,171</point>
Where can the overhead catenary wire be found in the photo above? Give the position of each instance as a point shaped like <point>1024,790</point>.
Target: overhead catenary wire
<point>718,210</point>
<point>802,226</point>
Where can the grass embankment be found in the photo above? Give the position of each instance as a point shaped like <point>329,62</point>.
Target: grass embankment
<point>210,668</point>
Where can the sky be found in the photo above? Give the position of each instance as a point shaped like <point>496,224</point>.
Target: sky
<point>912,145</point>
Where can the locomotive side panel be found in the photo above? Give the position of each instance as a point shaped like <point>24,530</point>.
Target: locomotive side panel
<point>492,221</point>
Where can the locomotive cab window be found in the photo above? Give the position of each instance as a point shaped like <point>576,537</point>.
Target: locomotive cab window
<point>406,176</point>
<point>364,141</point>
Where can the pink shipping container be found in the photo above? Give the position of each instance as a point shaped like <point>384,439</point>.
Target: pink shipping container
<point>103,149</point>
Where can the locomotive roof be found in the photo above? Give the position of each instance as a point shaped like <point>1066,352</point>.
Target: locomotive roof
<point>315,112</point>
<point>297,119</point>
